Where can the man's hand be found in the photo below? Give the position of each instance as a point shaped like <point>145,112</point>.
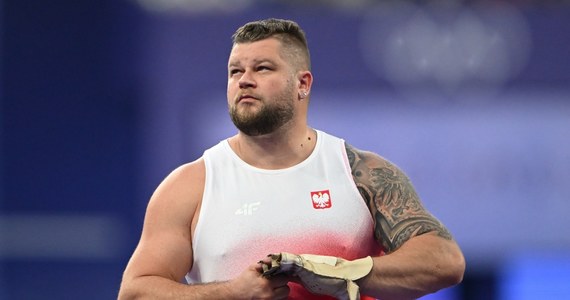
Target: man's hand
<point>326,275</point>
<point>251,284</point>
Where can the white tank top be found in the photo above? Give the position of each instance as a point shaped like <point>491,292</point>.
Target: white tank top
<point>247,213</point>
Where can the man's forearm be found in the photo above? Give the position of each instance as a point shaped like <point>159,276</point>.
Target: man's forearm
<point>156,287</point>
<point>423,265</point>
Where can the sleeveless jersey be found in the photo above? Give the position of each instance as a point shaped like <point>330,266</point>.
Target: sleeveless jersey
<point>247,213</point>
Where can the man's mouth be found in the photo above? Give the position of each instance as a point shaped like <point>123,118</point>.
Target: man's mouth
<point>246,97</point>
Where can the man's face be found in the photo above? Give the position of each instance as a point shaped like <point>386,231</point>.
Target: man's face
<point>261,87</point>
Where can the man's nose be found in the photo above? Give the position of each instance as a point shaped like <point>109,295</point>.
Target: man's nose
<point>246,80</point>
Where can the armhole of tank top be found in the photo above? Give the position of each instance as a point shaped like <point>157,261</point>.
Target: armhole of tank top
<point>346,164</point>
<point>203,204</point>
<point>348,173</point>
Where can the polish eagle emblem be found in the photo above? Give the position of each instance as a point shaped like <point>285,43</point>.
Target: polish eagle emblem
<point>321,199</point>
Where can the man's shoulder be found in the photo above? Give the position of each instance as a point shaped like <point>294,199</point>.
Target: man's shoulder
<point>190,169</point>
<point>356,153</point>
<point>181,189</point>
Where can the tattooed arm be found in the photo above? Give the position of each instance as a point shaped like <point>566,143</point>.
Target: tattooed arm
<point>421,254</point>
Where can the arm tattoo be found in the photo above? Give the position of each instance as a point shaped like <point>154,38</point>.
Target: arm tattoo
<point>391,198</point>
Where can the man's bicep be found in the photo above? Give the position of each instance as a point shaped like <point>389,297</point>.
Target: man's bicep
<point>166,254</point>
<point>165,247</point>
<point>393,202</point>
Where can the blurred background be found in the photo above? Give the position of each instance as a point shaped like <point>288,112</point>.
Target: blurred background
<point>100,100</point>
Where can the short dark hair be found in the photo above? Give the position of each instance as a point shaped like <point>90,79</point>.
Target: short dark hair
<point>288,32</point>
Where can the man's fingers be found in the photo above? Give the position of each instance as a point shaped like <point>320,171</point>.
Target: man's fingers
<point>259,267</point>
<point>266,260</point>
<point>263,265</point>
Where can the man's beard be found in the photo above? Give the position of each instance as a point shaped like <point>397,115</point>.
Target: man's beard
<point>269,118</point>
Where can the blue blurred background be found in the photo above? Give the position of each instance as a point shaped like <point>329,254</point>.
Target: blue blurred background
<point>102,99</point>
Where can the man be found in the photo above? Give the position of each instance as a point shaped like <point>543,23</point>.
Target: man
<point>281,187</point>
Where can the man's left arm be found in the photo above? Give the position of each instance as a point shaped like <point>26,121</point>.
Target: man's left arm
<point>421,255</point>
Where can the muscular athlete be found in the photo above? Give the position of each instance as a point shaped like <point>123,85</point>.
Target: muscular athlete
<point>269,84</point>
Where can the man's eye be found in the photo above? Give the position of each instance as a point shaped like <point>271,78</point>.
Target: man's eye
<point>263,68</point>
<point>234,71</point>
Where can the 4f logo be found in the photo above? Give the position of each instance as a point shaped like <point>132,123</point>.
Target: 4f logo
<point>321,199</point>
<point>247,209</point>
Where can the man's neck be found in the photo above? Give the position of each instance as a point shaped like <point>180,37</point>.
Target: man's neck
<point>277,150</point>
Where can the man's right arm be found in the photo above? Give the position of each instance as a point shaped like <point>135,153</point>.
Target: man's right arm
<point>164,254</point>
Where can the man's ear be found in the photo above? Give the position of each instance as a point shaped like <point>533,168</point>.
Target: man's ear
<point>305,80</point>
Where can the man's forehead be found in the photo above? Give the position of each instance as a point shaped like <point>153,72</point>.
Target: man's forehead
<point>267,42</point>
<point>267,49</point>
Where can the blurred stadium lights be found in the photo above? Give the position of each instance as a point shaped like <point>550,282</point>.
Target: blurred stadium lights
<point>223,6</point>
<point>194,6</point>
<point>68,236</point>
<point>334,4</point>
<point>452,48</point>
<point>198,6</point>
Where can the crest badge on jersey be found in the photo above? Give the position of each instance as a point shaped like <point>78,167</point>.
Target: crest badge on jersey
<point>321,199</point>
